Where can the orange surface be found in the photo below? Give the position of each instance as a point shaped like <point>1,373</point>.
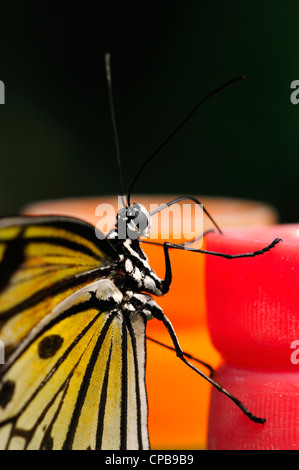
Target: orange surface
<point>178,397</point>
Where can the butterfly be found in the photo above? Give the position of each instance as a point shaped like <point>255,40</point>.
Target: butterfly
<point>74,321</point>
<point>73,313</point>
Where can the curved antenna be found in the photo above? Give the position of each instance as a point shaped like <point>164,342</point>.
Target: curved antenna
<point>150,158</point>
<point>111,105</point>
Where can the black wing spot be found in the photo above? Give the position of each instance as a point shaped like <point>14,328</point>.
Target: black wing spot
<point>49,346</point>
<point>6,393</point>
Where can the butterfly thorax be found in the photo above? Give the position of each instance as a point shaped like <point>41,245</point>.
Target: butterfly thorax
<point>134,270</point>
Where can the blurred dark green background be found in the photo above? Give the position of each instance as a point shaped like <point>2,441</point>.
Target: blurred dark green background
<point>55,130</point>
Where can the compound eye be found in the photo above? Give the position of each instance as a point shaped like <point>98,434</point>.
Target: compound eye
<point>132,212</point>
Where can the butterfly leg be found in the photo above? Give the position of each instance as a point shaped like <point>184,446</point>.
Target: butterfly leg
<point>165,287</point>
<point>205,364</point>
<point>168,272</point>
<point>195,239</point>
<point>162,317</point>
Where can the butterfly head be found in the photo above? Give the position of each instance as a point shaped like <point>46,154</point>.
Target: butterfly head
<point>135,220</point>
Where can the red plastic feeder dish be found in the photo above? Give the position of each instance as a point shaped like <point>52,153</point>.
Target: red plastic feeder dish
<point>253,318</point>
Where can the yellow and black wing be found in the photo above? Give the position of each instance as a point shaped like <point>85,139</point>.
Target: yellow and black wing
<point>77,380</point>
<point>74,376</point>
<point>43,260</point>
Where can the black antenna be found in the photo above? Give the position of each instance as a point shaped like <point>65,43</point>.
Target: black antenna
<point>109,81</point>
<point>209,95</point>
